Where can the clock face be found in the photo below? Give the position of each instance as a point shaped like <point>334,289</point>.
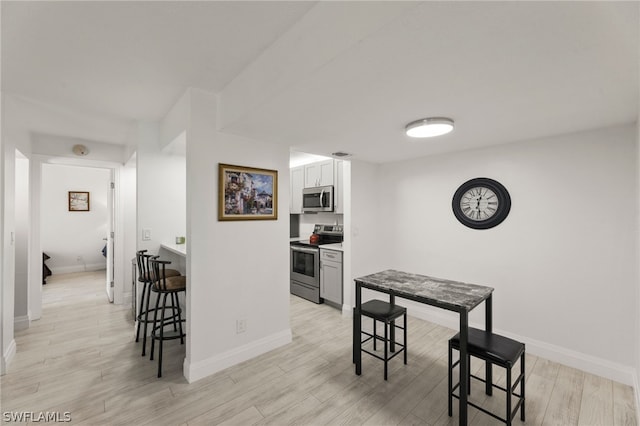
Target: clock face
<point>481,203</point>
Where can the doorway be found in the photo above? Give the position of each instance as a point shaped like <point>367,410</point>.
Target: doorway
<point>77,236</point>
<point>77,219</point>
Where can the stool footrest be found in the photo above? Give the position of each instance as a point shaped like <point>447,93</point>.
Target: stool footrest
<point>168,335</point>
<point>482,409</point>
<point>151,311</point>
<point>373,354</point>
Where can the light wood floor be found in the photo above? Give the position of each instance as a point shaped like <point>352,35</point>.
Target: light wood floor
<point>81,358</point>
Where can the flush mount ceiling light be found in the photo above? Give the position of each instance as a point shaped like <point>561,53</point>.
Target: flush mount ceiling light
<point>429,127</point>
<point>80,150</point>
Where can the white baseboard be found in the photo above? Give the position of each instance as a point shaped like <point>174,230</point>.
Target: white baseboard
<point>78,268</point>
<point>21,323</point>
<point>201,369</point>
<point>7,357</point>
<point>590,364</point>
<point>347,311</point>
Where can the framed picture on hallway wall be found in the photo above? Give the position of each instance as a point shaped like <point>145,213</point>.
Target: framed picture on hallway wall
<point>78,201</point>
<point>247,193</point>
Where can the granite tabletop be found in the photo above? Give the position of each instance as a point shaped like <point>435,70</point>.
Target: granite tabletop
<point>452,294</point>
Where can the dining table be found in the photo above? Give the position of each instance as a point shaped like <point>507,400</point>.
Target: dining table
<point>446,294</point>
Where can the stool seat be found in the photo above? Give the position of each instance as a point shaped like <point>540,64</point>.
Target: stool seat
<point>171,283</point>
<point>491,347</point>
<point>168,273</point>
<point>382,311</point>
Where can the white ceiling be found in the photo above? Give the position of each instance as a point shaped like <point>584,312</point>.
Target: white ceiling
<point>504,71</point>
<point>133,60</point>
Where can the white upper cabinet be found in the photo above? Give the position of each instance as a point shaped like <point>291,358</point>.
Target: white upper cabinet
<point>321,173</point>
<point>297,175</point>
<point>318,174</point>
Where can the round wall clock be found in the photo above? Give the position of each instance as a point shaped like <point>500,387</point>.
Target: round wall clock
<point>481,203</point>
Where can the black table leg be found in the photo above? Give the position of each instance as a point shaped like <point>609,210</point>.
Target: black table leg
<point>392,332</point>
<point>488,323</point>
<point>357,327</point>
<point>464,367</point>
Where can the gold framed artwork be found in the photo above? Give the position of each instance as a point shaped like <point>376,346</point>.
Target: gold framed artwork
<point>247,193</point>
<point>79,201</point>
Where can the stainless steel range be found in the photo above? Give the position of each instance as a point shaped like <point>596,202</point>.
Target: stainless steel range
<point>305,261</point>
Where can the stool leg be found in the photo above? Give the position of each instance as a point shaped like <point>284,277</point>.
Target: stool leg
<point>405,338</point>
<point>508,418</point>
<point>153,328</point>
<point>450,385</point>
<point>160,343</point>
<point>386,348</point>
<point>392,336</point>
<point>179,320</point>
<point>146,317</point>
<point>374,334</point>
<point>522,387</point>
<point>139,314</point>
<point>173,311</point>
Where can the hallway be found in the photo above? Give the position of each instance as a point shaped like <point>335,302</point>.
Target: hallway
<point>80,357</point>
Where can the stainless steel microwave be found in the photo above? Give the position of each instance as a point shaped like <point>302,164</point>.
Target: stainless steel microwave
<point>317,199</point>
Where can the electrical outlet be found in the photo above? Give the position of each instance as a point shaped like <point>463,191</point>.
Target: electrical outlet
<point>241,326</point>
<point>79,258</point>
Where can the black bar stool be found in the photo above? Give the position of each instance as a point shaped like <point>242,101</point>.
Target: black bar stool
<point>500,351</point>
<point>165,286</point>
<point>386,313</point>
<point>144,277</point>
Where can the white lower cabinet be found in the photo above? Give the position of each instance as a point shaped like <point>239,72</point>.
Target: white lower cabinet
<point>331,276</point>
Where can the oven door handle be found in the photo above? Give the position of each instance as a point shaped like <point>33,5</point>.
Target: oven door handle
<point>305,250</point>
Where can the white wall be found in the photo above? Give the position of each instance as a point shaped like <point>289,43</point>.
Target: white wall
<point>128,202</point>
<point>66,235</point>
<point>21,295</point>
<point>369,227</point>
<point>563,264</point>
<point>7,249</point>
<point>160,190</point>
<point>637,296</point>
<point>239,269</point>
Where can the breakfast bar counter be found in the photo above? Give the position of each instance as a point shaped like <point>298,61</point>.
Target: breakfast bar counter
<point>177,254</point>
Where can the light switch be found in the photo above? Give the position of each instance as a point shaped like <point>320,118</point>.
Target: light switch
<point>146,234</point>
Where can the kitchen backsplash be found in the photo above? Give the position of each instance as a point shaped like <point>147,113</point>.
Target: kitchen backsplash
<point>308,220</point>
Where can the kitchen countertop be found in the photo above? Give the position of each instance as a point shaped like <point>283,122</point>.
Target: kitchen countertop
<point>334,246</point>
